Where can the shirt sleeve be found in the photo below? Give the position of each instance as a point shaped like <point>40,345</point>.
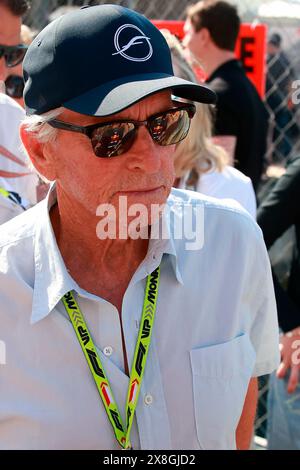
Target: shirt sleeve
<point>250,199</point>
<point>264,331</point>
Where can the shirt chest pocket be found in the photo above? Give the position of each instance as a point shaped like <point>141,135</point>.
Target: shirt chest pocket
<point>221,375</point>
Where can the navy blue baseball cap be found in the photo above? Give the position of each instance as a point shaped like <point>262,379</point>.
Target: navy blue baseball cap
<point>100,60</point>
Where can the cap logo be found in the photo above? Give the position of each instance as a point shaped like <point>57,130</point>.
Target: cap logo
<point>134,41</point>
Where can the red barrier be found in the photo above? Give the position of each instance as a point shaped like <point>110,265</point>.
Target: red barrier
<point>250,49</point>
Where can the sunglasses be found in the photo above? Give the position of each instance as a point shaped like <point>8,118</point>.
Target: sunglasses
<point>14,86</point>
<point>13,55</point>
<point>111,139</point>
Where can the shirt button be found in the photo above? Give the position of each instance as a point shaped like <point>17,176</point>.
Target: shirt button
<point>148,399</point>
<point>108,350</point>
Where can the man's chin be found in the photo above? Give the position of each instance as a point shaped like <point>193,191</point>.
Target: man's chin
<point>130,214</point>
<point>147,200</point>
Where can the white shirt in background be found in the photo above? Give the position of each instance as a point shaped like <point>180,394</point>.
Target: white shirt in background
<point>228,184</point>
<point>11,115</point>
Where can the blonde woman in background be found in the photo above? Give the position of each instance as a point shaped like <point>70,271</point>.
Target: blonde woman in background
<point>199,163</point>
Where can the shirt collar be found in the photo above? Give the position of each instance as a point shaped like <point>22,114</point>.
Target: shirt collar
<point>52,279</point>
<point>165,243</point>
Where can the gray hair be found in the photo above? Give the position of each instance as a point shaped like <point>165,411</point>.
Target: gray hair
<point>44,133</point>
<point>39,125</point>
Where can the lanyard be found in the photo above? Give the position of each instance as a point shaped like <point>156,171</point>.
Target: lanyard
<point>139,362</point>
<point>12,196</point>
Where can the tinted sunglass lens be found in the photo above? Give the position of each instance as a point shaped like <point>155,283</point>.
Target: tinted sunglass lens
<point>173,125</point>
<point>159,127</point>
<point>14,85</point>
<point>113,140</point>
<point>15,57</point>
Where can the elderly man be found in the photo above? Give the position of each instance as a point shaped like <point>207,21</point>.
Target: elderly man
<point>117,341</point>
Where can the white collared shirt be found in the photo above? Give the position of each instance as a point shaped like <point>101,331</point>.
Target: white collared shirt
<point>215,328</point>
<point>11,116</point>
<point>229,183</point>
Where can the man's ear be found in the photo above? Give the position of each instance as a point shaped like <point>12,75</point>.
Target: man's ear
<point>39,153</point>
<point>204,36</point>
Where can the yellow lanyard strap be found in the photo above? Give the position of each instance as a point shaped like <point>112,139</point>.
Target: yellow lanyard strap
<point>139,361</point>
<point>4,193</point>
<point>12,196</point>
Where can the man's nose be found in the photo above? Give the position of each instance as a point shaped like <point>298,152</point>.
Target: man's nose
<point>3,70</point>
<point>145,154</point>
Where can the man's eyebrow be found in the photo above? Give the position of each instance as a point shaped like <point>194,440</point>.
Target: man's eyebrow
<point>116,118</point>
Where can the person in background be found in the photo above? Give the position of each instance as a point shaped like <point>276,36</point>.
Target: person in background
<point>277,213</point>
<point>199,163</point>
<point>211,32</point>
<point>17,182</point>
<point>280,69</point>
<point>14,83</point>
<point>14,88</point>
<point>11,50</point>
<point>280,75</point>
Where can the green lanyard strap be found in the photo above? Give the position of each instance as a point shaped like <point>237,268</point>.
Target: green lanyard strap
<point>139,362</point>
